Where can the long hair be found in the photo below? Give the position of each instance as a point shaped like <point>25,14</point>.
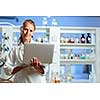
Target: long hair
<point>21,28</point>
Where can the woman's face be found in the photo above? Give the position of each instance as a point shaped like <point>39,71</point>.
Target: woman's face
<point>27,32</point>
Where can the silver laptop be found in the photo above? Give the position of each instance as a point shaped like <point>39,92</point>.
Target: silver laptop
<point>43,51</point>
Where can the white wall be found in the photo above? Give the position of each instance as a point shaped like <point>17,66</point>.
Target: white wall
<point>98,55</point>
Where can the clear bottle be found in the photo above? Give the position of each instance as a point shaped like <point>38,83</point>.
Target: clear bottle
<point>92,54</point>
<point>57,78</point>
<point>82,38</point>
<point>45,39</point>
<point>77,38</point>
<point>71,54</point>
<point>88,38</point>
<point>62,40</point>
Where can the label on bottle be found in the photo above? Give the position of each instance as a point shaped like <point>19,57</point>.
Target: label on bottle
<point>82,40</point>
<point>88,40</point>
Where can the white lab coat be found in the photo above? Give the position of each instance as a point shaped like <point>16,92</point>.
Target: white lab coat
<point>27,75</point>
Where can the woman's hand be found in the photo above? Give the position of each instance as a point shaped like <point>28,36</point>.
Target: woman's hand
<point>7,70</point>
<point>35,62</point>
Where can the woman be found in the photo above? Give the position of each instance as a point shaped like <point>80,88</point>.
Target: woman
<point>34,72</point>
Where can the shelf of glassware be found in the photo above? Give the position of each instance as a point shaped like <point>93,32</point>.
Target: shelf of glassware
<point>74,42</point>
<point>41,34</point>
<point>86,60</point>
<point>68,73</point>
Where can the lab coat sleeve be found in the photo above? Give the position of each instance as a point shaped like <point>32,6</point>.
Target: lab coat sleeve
<point>9,65</point>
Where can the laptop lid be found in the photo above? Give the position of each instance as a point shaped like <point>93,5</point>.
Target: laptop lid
<point>43,51</point>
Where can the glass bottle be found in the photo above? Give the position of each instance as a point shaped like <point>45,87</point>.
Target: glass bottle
<point>57,78</point>
<point>92,54</point>
<point>77,38</point>
<point>70,54</point>
<point>82,38</point>
<point>88,38</point>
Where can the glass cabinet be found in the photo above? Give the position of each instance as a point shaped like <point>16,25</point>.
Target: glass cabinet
<point>78,54</point>
<point>75,52</point>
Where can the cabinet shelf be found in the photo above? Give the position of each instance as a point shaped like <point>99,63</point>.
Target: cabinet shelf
<point>80,81</point>
<point>73,45</point>
<point>77,61</point>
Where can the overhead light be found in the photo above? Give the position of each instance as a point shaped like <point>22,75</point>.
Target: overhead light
<point>54,22</point>
<point>44,21</point>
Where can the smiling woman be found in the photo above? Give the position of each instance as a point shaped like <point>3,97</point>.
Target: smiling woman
<point>14,64</point>
<point>27,31</point>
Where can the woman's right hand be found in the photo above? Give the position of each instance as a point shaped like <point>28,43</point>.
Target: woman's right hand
<point>35,62</point>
